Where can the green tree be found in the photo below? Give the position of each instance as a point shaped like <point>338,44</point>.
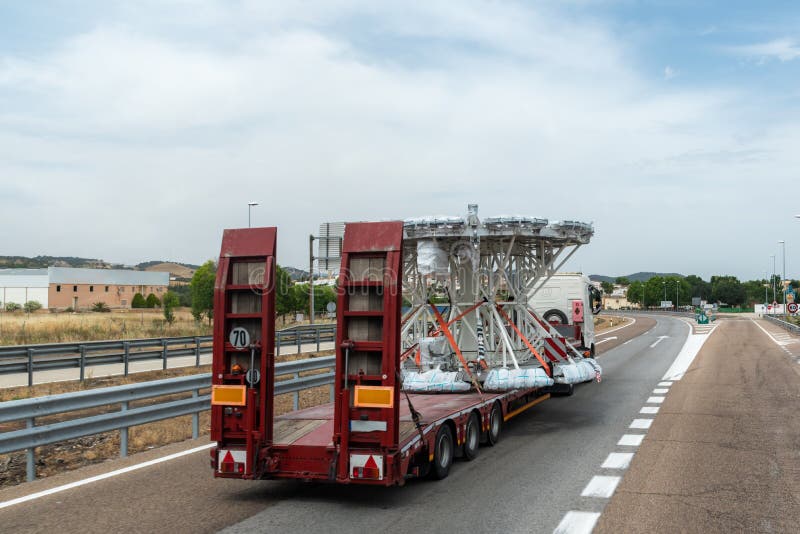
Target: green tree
<point>100,307</point>
<point>727,290</point>
<point>202,290</point>
<point>699,287</point>
<point>184,295</point>
<point>623,281</point>
<point>636,293</point>
<point>12,307</point>
<point>138,301</point>
<point>608,287</point>
<point>152,301</point>
<point>32,306</point>
<point>283,291</point>
<point>170,302</point>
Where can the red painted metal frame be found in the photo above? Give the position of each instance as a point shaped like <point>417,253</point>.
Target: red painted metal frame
<point>245,245</point>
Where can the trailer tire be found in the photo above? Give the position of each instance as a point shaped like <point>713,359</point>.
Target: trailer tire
<point>495,424</point>
<point>472,437</point>
<point>443,452</point>
<point>555,316</point>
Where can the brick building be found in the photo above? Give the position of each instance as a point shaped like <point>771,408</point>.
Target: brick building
<point>65,287</point>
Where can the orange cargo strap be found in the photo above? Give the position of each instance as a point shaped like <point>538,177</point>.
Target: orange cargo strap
<point>469,310</point>
<point>452,340</point>
<point>525,339</point>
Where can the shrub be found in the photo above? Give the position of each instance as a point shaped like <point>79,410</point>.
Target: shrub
<point>69,310</point>
<point>12,306</point>
<point>171,300</point>
<point>138,301</point>
<point>152,301</point>
<point>100,307</point>
<point>32,305</point>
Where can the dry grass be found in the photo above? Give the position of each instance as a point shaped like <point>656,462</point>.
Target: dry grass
<point>44,327</point>
<point>606,322</point>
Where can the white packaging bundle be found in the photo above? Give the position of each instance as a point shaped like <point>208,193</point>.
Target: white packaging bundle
<point>508,379</point>
<point>432,259</point>
<point>574,373</point>
<point>434,380</point>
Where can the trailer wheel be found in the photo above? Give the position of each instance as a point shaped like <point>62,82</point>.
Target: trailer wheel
<point>443,451</point>
<point>495,423</point>
<point>472,437</point>
<point>555,317</point>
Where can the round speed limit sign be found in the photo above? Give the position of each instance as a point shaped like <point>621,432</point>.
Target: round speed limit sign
<point>793,307</point>
<point>239,337</point>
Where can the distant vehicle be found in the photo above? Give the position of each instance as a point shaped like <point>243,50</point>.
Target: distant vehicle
<point>569,302</point>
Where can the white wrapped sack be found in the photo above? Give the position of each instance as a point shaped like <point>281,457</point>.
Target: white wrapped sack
<point>434,380</point>
<point>508,379</point>
<point>574,373</point>
<point>432,259</point>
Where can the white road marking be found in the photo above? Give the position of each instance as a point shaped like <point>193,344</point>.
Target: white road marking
<point>665,384</point>
<point>633,321</point>
<point>577,523</point>
<point>601,486</point>
<point>604,340</point>
<point>618,460</point>
<point>649,409</point>
<point>631,440</point>
<point>655,400</point>
<point>661,391</point>
<point>104,476</point>
<point>659,340</point>
<point>687,354</point>
<point>778,339</point>
<point>627,341</point>
<point>641,423</point>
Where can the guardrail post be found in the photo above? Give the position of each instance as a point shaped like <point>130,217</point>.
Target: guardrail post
<point>123,434</point>
<point>197,352</point>
<point>30,467</point>
<point>195,418</point>
<point>278,343</point>
<point>296,396</point>
<point>30,367</point>
<point>126,347</point>
<point>317,339</point>
<point>297,337</point>
<point>330,390</point>
<point>164,352</point>
<point>83,361</point>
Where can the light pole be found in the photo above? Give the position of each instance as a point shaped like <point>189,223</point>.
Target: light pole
<point>665,291</point>
<point>250,207</point>
<point>773,276</point>
<point>677,292</point>
<point>782,243</point>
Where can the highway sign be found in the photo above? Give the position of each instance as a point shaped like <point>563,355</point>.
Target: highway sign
<point>239,337</point>
<point>793,307</point>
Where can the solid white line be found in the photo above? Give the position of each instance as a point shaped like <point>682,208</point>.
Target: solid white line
<point>765,331</point>
<point>104,476</point>
<point>657,341</point>
<point>686,356</point>
<point>628,341</point>
<point>600,486</point>
<point>660,391</point>
<point>631,440</point>
<point>649,409</point>
<point>577,523</point>
<point>619,327</point>
<point>606,339</point>
<point>665,384</point>
<point>618,460</point>
<point>655,400</point>
<point>641,423</point>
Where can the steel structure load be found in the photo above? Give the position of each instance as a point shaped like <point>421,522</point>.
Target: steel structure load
<point>482,274</point>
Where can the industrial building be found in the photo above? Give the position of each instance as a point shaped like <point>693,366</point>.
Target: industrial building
<point>67,287</point>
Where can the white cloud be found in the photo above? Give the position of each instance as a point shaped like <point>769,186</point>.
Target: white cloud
<point>147,135</point>
<point>669,73</point>
<point>781,49</point>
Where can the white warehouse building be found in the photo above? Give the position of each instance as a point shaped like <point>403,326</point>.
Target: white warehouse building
<point>23,285</point>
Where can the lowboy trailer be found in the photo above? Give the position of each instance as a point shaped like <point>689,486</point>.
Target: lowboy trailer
<point>373,433</point>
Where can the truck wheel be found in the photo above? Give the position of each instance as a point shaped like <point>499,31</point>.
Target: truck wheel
<point>555,317</point>
<point>495,423</point>
<point>472,437</point>
<point>442,452</point>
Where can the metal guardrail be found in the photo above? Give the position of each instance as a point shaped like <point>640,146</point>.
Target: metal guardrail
<point>29,410</point>
<point>31,358</point>
<point>783,324</point>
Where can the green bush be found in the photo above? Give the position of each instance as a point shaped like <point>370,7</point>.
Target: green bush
<point>12,306</point>
<point>152,301</point>
<point>32,305</point>
<point>100,307</point>
<point>138,301</point>
<point>171,300</point>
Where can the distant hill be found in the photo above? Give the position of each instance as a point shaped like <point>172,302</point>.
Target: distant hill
<point>295,273</point>
<point>39,262</point>
<point>177,270</point>
<point>635,277</point>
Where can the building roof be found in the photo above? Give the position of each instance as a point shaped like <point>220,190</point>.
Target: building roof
<point>23,272</point>
<point>119,277</point>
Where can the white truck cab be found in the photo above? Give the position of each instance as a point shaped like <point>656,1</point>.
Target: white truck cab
<point>569,302</point>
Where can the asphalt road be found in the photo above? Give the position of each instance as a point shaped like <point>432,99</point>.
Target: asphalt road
<point>524,484</point>
<point>722,455</point>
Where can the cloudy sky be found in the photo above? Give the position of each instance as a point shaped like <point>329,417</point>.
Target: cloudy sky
<point>139,130</point>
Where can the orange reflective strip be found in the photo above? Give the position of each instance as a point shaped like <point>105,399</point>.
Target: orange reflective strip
<point>525,339</point>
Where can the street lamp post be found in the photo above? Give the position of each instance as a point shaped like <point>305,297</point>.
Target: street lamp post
<point>665,291</point>
<point>773,276</point>
<point>677,292</point>
<point>782,243</point>
<point>249,208</point>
